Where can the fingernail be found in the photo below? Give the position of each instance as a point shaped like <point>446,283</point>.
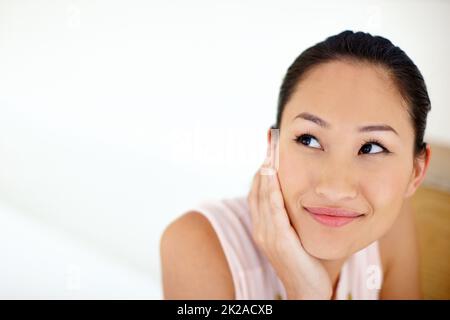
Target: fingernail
<point>267,171</point>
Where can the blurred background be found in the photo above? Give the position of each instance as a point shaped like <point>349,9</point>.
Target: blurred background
<point>117,116</point>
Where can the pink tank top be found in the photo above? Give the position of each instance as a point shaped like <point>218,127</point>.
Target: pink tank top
<point>254,276</point>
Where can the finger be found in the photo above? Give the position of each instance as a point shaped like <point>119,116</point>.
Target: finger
<point>270,166</point>
<point>271,205</point>
<point>267,168</point>
<point>271,197</point>
<point>275,147</point>
<point>253,197</point>
<point>270,187</point>
<point>267,171</point>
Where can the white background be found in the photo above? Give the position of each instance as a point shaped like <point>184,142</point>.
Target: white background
<point>116,116</point>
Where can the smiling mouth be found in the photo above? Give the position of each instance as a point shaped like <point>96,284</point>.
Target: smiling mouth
<point>333,217</point>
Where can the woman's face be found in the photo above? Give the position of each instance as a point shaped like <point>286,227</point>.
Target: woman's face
<point>334,164</point>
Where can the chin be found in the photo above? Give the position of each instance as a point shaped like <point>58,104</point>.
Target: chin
<point>325,250</point>
<point>325,243</point>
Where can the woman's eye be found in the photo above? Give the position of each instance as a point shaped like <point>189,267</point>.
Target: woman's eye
<point>308,140</point>
<point>371,148</point>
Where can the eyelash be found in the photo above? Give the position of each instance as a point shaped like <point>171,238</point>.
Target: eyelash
<point>370,141</point>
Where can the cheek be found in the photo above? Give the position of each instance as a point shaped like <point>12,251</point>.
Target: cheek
<point>384,184</point>
<point>384,190</point>
<point>296,175</point>
<point>294,184</point>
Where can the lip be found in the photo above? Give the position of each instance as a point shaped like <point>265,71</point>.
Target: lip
<point>333,217</point>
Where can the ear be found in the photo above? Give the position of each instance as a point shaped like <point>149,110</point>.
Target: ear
<point>420,168</point>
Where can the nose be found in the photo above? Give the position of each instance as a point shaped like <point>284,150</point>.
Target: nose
<point>337,183</point>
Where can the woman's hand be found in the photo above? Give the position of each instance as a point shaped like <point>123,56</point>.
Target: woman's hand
<point>303,276</point>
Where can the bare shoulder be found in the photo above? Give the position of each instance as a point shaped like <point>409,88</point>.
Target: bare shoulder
<point>193,263</point>
<point>399,251</point>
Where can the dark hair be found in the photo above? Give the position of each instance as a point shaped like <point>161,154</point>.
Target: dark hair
<point>363,47</point>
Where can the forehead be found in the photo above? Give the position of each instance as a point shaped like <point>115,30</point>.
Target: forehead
<point>349,93</point>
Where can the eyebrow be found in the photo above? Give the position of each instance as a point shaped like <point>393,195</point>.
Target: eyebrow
<point>313,118</point>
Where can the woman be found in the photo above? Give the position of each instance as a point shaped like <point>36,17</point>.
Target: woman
<point>328,215</point>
